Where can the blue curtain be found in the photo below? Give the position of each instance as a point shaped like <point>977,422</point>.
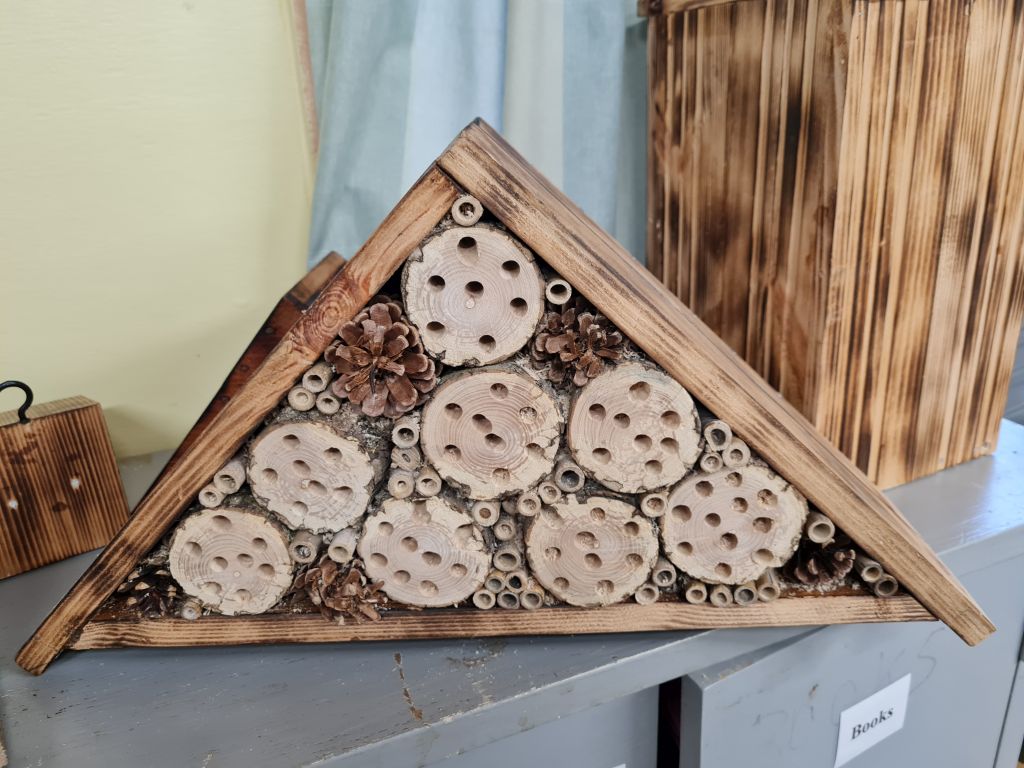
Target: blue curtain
<point>563,80</point>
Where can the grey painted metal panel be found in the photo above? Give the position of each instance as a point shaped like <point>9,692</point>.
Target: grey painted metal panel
<point>621,732</point>
<point>1011,739</point>
<point>782,708</point>
<point>347,705</point>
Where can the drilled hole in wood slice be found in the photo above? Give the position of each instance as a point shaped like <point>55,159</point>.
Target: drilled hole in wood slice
<point>310,476</point>
<point>425,552</point>
<point>720,532</point>
<point>476,291</point>
<point>634,429</point>
<point>475,434</point>
<point>589,560</point>
<point>233,560</point>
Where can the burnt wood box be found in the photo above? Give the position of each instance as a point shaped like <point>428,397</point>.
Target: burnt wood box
<point>836,188</point>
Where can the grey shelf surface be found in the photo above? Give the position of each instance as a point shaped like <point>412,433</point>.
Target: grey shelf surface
<point>411,703</point>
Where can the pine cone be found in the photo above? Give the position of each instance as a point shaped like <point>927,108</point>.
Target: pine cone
<point>151,589</point>
<point>814,564</point>
<point>380,361</point>
<point>575,342</point>
<point>339,594</point>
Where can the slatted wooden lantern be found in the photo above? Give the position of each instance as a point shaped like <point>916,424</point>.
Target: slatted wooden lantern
<point>835,188</point>
<point>513,448</point>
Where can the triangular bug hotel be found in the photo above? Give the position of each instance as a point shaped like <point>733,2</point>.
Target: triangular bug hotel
<point>493,421</point>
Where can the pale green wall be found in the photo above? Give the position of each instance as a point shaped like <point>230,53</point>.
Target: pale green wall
<point>155,187</point>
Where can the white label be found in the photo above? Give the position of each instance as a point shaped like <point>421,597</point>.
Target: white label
<point>868,722</point>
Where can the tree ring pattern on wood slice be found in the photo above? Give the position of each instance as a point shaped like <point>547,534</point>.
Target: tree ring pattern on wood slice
<point>593,553</point>
<point>633,428</point>
<point>426,552</point>
<point>730,526</point>
<point>233,560</point>
<point>310,476</point>
<point>475,294</point>
<point>492,431</point>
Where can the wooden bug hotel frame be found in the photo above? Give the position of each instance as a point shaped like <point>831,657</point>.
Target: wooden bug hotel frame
<point>493,421</point>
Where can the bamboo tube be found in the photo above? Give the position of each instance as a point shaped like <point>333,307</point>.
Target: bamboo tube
<point>428,482</point>
<point>495,581</point>
<point>532,597</point>
<point>664,573</point>
<point>230,478</point>
<point>736,454</point>
<point>210,497</point>
<point>343,546</point>
<point>516,581</point>
<point>819,528</point>
<point>317,377</point>
<point>406,432</point>
<point>549,492</point>
<point>711,461</point>
<point>654,504</point>
<point>508,600</point>
<point>301,399</point>
<point>558,291</point>
<point>745,594</point>
<point>406,458</point>
<point>401,483</point>
<point>720,595</point>
<point>304,547</point>
<point>768,588</point>
<point>696,592</point>
<point>528,504</point>
<point>505,528</point>
<point>717,433</point>
<point>466,211</point>
<point>886,586</point>
<point>646,594</point>
<point>868,570</point>
<point>508,558</point>
<point>327,404</point>
<point>190,609</point>
<point>568,476</point>
<point>483,599</point>
<point>484,513</point>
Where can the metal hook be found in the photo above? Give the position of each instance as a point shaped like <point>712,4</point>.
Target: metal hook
<point>23,411</point>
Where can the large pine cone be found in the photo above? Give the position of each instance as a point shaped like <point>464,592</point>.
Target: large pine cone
<point>575,342</point>
<point>380,361</point>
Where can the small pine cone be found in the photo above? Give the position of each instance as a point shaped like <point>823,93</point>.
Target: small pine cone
<point>339,594</point>
<point>816,565</point>
<point>380,361</point>
<point>575,342</point>
<point>151,590</point>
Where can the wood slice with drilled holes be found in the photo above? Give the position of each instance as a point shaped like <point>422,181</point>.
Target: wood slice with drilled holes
<point>426,552</point>
<point>310,476</point>
<point>475,293</point>
<point>634,429</point>
<point>492,431</point>
<point>234,560</point>
<point>595,553</point>
<point>729,526</point>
